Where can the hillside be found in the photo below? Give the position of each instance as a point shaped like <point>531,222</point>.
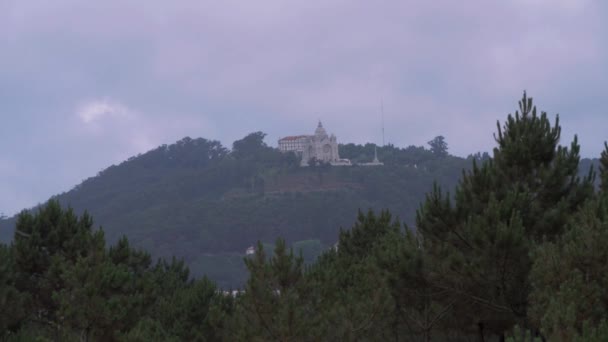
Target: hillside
<point>200,201</point>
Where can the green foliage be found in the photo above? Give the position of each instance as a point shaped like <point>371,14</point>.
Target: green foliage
<point>12,302</point>
<point>27,336</point>
<point>274,301</point>
<point>439,147</point>
<point>43,245</point>
<point>590,333</point>
<point>357,242</point>
<point>310,250</point>
<point>344,296</point>
<point>593,333</point>
<point>148,329</point>
<point>570,276</point>
<point>192,312</point>
<point>353,300</point>
<point>604,169</point>
<point>349,284</point>
<point>418,308</point>
<point>59,281</point>
<point>250,146</point>
<point>521,335</point>
<point>200,202</point>
<point>480,245</point>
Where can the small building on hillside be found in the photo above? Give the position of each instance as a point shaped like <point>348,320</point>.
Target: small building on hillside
<point>250,251</point>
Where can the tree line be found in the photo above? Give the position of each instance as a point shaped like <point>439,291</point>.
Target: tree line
<point>516,252</point>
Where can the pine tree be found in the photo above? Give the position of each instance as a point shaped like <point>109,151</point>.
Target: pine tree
<point>59,281</point>
<point>480,244</point>
<point>89,300</point>
<point>274,303</point>
<point>77,286</point>
<point>358,242</point>
<point>12,302</point>
<point>569,277</point>
<point>420,309</point>
<point>106,292</point>
<point>351,286</point>
<point>42,244</point>
<point>181,309</point>
<point>148,329</point>
<point>604,169</point>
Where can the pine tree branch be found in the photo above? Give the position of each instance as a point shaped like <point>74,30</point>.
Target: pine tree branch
<point>17,231</point>
<point>497,307</point>
<point>370,318</point>
<point>261,318</point>
<point>442,313</point>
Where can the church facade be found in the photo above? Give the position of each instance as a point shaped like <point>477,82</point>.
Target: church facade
<point>320,146</point>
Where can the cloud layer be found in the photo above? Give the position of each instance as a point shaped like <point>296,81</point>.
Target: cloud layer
<point>84,85</point>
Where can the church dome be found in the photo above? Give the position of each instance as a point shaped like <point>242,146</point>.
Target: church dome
<point>320,131</point>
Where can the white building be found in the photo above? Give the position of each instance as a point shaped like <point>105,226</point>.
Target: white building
<point>295,143</point>
<point>320,146</point>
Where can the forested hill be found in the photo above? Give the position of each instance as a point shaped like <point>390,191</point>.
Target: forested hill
<point>200,201</point>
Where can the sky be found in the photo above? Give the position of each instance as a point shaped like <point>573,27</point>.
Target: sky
<point>87,84</point>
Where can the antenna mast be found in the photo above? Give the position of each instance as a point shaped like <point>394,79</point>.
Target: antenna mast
<point>382,115</point>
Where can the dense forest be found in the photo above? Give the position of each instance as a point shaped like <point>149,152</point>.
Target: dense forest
<point>515,252</point>
<point>206,204</point>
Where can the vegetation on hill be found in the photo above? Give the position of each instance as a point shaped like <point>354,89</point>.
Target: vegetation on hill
<point>202,202</point>
<point>206,204</point>
<point>199,201</point>
<point>516,253</point>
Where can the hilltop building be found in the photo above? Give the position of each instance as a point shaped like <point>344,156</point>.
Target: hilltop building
<point>294,143</point>
<point>320,146</point>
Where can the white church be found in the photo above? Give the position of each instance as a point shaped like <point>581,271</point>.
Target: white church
<point>320,146</point>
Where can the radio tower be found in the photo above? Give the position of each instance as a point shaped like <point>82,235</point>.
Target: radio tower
<point>382,115</point>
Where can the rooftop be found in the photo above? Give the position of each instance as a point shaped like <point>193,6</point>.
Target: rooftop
<point>293,137</point>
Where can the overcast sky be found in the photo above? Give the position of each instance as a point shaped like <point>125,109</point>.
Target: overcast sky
<point>86,84</point>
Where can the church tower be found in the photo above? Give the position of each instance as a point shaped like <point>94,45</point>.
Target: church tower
<point>320,146</point>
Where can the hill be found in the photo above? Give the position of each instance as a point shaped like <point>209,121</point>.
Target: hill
<point>202,202</point>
